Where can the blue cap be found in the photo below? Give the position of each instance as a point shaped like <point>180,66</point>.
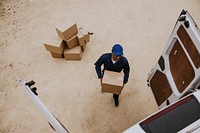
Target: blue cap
<point>117,50</point>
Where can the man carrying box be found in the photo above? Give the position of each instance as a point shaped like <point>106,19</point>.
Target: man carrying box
<point>116,62</point>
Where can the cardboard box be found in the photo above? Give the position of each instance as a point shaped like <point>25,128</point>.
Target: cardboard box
<point>83,37</point>
<point>56,45</point>
<point>66,30</point>
<point>56,55</point>
<point>73,54</point>
<point>86,35</point>
<point>72,42</point>
<point>112,82</point>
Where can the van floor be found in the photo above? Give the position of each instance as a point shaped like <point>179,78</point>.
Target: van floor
<point>70,89</point>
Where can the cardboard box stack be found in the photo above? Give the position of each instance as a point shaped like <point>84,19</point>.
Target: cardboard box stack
<point>112,82</point>
<point>70,42</point>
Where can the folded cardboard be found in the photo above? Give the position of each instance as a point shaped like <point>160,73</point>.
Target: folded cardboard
<point>56,55</point>
<point>73,54</point>
<point>56,45</point>
<point>66,30</point>
<point>86,35</point>
<point>112,82</point>
<point>83,37</point>
<point>72,42</point>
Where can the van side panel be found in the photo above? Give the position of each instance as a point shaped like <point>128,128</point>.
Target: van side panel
<point>180,67</point>
<point>160,87</point>
<point>189,45</point>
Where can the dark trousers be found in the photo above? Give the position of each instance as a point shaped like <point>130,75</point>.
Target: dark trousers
<point>116,97</point>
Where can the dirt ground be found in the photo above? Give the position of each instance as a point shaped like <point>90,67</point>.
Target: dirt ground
<point>70,89</point>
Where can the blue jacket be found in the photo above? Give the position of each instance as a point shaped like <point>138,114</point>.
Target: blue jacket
<point>121,64</point>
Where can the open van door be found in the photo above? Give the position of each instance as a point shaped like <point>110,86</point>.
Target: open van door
<point>55,124</point>
<point>177,72</point>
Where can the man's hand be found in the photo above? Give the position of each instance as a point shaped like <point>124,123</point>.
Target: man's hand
<point>123,85</point>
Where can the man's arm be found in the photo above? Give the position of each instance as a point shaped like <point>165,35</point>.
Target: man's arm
<point>126,72</point>
<point>98,65</point>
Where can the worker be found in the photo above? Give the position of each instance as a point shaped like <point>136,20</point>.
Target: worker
<point>116,62</point>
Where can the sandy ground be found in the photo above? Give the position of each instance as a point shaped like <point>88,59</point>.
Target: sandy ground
<point>70,89</point>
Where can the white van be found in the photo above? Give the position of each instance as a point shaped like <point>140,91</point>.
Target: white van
<point>175,83</point>
<point>177,72</point>
<point>182,116</point>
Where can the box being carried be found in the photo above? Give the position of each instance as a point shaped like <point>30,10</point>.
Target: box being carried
<point>112,82</point>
